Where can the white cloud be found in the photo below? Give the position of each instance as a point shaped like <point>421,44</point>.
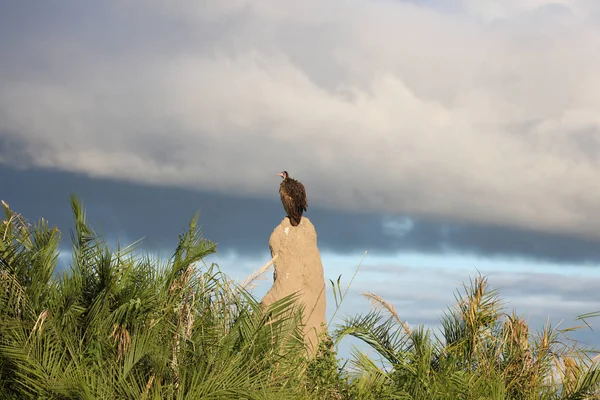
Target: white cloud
<point>478,115</point>
<point>501,9</point>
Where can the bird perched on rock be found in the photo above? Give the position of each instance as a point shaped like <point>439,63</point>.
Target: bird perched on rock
<point>293,197</point>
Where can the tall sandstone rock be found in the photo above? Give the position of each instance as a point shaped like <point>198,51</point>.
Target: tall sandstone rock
<point>298,268</point>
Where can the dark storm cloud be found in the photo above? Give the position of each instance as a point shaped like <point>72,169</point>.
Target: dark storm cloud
<point>243,225</point>
<point>494,241</point>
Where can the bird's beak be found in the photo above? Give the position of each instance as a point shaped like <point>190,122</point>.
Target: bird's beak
<point>280,174</point>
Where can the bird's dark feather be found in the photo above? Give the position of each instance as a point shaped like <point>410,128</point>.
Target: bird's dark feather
<point>293,197</point>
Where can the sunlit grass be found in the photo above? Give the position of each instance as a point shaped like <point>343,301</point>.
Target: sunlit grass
<point>118,323</point>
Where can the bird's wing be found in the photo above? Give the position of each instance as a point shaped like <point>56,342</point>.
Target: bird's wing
<point>287,200</point>
<point>300,196</point>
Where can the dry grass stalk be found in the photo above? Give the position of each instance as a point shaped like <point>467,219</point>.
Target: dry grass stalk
<point>122,338</point>
<point>569,374</point>
<point>13,288</point>
<point>189,317</point>
<point>183,280</point>
<point>148,386</point>
<point>40,322</point>
<point>7,223</point>
<point>378,302</point>
<point>185,319</point>
<point>38,326</point>
<point>249,282</point>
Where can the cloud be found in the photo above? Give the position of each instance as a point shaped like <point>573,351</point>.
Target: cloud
<point>483,114</point>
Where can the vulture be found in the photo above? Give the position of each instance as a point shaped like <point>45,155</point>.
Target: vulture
<point>293,197</point>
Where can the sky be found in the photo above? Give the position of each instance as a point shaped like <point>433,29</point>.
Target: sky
<point>442,137</point>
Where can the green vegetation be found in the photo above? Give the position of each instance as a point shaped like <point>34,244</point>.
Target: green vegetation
<point>120,325</point>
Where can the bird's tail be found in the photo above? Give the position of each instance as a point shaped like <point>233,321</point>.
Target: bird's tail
<point>295,220</point>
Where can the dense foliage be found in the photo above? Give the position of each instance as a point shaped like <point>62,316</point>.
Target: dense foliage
<point>120,325</point>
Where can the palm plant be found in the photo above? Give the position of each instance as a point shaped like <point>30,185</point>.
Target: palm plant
<point>482,353</point>
<point>120,325</point>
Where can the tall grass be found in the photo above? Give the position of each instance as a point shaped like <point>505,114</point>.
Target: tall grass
<point>480,353</point>
<point>119,324</point>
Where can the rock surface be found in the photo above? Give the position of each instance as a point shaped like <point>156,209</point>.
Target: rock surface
<point>298,268</point>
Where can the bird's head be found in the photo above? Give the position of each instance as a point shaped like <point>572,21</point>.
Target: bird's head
<point>283,174</point>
